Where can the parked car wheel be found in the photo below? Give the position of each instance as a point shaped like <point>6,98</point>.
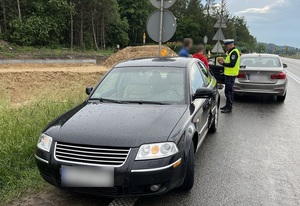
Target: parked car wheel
<point>190,173</point>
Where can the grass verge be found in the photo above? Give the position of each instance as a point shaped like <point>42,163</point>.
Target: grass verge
<point>20,128</point>
<point>18,52</point>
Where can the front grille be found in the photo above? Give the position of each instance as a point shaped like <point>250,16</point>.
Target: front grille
<point>91,155</point>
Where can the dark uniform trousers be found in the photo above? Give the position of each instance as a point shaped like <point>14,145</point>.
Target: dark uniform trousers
<point>229,82</point>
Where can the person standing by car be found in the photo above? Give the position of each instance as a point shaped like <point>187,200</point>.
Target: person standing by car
<point>200,55</point>
<point>231,70</point>
<point>187,45</point>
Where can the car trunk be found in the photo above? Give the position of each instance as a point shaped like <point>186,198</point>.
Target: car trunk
<point>258,75</point>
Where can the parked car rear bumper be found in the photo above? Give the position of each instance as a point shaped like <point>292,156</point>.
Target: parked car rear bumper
<point>278,89</point>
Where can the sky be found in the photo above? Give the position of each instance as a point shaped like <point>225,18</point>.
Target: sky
<point>270,21</point>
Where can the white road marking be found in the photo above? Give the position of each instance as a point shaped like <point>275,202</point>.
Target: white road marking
<point>123,202</point>
<point>293,76</point>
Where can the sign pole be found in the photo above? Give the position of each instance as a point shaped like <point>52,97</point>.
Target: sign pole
<point>161,25</point>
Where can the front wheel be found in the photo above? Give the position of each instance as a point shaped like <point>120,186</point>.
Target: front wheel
<point>189,174</point>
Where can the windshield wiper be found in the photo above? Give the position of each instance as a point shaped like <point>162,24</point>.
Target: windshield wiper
<point>143,102</point>
<point>107,100</point>
<point>128,101</point>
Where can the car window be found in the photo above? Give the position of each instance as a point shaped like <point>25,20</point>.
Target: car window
<point>203,69</point>
<point>109,83</point>
<point>159,84</point>
<point>206,74</point>
<point>196,78</point>
<point>267,62</point>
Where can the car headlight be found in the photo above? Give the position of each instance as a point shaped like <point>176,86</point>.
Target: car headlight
<point>44,142</point>
<point>155,151</point>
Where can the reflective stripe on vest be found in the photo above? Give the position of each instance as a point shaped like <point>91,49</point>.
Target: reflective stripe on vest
<point>232,71</point>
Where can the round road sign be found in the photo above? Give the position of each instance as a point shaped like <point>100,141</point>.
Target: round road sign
<point>167,3</point>
<point>169,26</point>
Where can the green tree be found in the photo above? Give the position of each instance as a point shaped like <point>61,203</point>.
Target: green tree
<point>191,22</point>
<point>43,23</point>
<point>243,37</point>
<point>137,13</point>
<point>103,23</point>
<point>261,48</point>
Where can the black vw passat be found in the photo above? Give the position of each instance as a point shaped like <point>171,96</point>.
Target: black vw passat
<point>137,132</point>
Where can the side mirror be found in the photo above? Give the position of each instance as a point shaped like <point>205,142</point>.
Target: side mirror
<point>203,93</point>
<point>88,90</point>
<point>285,65</point>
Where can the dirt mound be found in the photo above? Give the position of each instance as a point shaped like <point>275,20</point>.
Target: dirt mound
<point>25,83</point>
<point>134,52</point>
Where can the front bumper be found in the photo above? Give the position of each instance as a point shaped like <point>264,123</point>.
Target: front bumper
<point>131,179</point>
<point>278,89</point>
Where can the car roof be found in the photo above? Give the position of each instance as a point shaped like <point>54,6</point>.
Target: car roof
<point>254,55</point>
<point>157,62</point>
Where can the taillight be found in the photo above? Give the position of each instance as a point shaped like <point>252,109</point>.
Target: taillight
<point>281,75</point>
<point>241,76</point>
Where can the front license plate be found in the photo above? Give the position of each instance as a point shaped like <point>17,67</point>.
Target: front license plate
<point>73,176</point>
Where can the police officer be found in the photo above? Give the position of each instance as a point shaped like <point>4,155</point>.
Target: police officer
<point>231,71</point>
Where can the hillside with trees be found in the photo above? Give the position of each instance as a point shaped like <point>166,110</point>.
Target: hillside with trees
<point>94,24</point>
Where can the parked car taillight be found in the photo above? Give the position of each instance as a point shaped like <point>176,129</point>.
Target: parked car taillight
<point>241,76</point>
<point>281,75</point>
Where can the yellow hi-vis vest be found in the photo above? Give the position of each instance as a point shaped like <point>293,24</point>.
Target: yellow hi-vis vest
<point>233,71</point>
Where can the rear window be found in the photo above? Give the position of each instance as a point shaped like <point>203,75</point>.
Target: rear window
<point>267,62</point>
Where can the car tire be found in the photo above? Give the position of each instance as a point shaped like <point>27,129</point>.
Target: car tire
<point>281,98</point>
<point>188,182</point>
<point>214,126</point>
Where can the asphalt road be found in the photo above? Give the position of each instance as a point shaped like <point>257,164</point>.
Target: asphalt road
<point>253,159</point>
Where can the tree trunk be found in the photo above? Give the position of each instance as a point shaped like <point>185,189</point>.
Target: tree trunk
<point>19,11</point>
<point>208,4</point>
<point>72,28</point>
<point>81,28</point>
<point>4,15</point>
<point>103,31</point>
<point>94,33</point>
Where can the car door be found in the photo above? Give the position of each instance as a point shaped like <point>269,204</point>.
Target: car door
<point>207,82</point>
<point>202,106</point>
<point>210,82</point>
<point>217,70</point>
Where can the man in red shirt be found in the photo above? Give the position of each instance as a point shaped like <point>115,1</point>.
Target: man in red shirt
<point>200,55</point>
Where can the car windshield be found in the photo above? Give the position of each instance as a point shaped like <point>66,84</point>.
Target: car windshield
<point>143,85</point>
<point>267,62</point>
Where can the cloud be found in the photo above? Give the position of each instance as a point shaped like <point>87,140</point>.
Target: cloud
<point>265,9</point>
<point>262,10</point>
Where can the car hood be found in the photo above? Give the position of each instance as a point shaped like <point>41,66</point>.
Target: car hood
<point>119,125</point>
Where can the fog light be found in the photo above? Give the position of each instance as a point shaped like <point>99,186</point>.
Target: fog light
<point>154,188</point>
